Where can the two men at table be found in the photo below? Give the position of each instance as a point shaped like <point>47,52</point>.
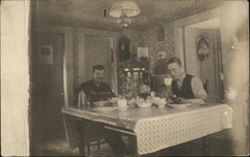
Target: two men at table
<point>186,87</point>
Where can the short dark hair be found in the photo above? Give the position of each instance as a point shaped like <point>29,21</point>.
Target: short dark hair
<point>174,60</point>
<point>98,67</point>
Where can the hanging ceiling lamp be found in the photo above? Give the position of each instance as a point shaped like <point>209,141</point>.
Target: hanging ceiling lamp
<point>123,10</point>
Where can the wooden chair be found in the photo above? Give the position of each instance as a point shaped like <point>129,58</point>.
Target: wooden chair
<point>95,143</point>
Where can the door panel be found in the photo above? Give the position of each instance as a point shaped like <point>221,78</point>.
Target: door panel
<point>97,51</point>
<point>48,88</point>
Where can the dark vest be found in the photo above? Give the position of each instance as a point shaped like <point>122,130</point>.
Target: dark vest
<point>186,89</point>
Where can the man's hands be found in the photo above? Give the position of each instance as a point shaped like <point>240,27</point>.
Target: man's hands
<point>180,100</point>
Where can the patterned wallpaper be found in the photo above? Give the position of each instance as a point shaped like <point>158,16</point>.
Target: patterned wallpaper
<point>149,39</point>
<point>135,39</point>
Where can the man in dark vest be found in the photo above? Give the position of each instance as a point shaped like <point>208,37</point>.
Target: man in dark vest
<point>187,88</point>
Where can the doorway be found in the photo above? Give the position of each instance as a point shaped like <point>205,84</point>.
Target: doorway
<point>203,56</point>
<point>47,85</point>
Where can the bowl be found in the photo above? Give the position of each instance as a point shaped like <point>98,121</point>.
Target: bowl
<point>161,105</point>
<point>160,102</point>
<point>144,104</point>
<point>131,101</point>
<point>114,100</point>
<point>156,100</point>
<point>122,103</point>
<point>99,103</point>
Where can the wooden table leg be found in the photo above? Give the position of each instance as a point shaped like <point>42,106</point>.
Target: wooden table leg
<point>206,146</point>
<point>81,141</point>
<point>133,146</point>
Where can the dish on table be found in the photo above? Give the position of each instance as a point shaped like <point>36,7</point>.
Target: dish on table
<point>140,102</point>
<point>160,102</point>
<point>104,109</point>
<point>114,100</point>
<point>179,105</point>
<point>144,104</point>
<point>103,104</point>
<point>124,108</point>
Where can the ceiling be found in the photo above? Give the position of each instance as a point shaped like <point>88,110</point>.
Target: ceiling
<point>90,13</point>
<point>209,24</point>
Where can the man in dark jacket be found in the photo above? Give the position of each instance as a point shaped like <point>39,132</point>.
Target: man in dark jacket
<point>97,90</point>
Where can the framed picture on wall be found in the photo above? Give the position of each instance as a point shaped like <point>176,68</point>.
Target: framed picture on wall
<point>161,55</point>
<point>46,54</point>
<point>142,53</point>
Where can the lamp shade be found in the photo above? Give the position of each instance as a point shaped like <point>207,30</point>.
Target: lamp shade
<point>124,8</point>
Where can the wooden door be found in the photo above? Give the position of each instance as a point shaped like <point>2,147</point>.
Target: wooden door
<point>97,51</point>
<point>48,86</point>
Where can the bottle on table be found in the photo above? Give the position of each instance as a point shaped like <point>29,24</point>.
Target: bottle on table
<point>82,100</point>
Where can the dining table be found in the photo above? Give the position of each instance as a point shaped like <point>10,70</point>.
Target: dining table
<point>149,129</point>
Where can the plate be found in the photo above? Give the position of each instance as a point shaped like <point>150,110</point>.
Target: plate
<point>103,104</point>
<point>104,109</point>
<point>179,105</point>
<point>144,104</point>
<point>123,108</point>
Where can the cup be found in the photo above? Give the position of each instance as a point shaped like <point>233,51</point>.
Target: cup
<point>122,104</point>
<point>152,94</point>
<point>168,81</point>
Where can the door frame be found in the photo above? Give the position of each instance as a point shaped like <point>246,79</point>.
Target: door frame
<point>67,58</point>
<point>180,24</point>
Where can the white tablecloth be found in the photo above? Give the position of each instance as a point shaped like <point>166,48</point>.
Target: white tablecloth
<point>157,128</point>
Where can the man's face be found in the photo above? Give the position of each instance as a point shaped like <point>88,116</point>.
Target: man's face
<point>98,75</point>
<point>175,70</point>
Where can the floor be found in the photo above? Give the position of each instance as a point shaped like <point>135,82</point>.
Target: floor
<point>59,147</point>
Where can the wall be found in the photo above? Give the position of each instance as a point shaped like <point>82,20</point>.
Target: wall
<point>149,39</point>
<point>74,54</point>
<point>14,77</point>
<point>135,37</point>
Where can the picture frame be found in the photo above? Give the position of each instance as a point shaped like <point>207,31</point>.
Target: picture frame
<point>46,54</point>
<point>161,55</point>
<point>142,53</point>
